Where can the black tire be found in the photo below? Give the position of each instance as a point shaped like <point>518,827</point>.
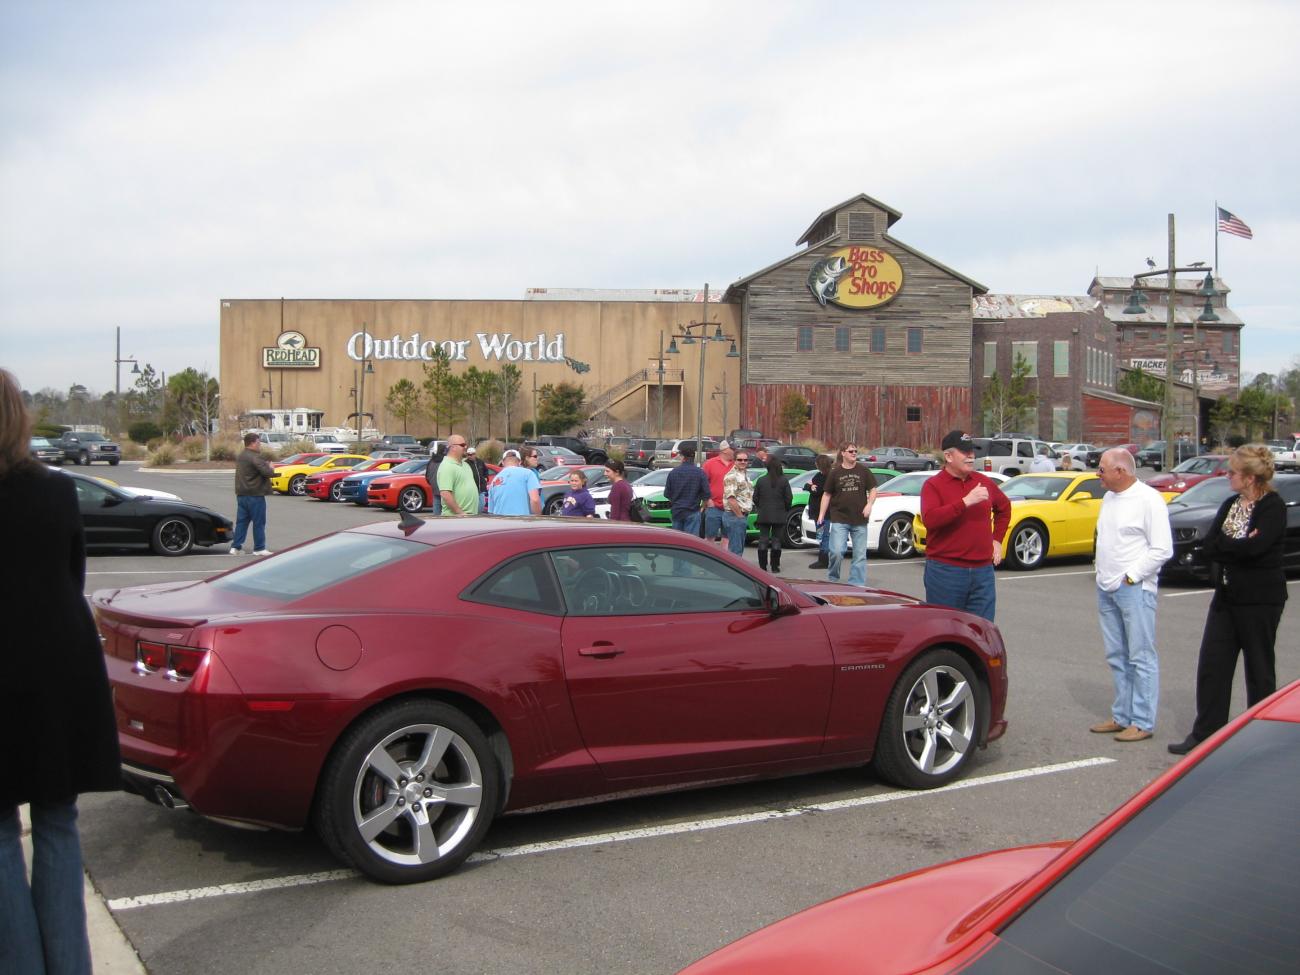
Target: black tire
<point>1028,546</point>
<point>83,459</point>
<point>597,457</point>
<point>363,791</point>
<point>553,505</point>
<point>1011,472</point>
<point>929,465</point>
<point>412,498</point>
<point>891,466</point>
<point>112,463</point>
<point>937,702</point>
<point>896,541</point>
<point>298,485</point>
<point>336,491</point>
<point>792,537</point>
<point>172,535</point>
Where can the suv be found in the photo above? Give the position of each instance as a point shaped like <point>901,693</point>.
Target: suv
<point>398,441</point>
<point>1009,456</point>
<point>328,442</point>
<point>735,435</point>
<point>640,451</point>
<point>85,447</point>
<point>592,455</point>
<point>667,454</point>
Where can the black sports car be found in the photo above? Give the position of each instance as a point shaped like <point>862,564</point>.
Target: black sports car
<point>1193,511</point>
<point>115,518</point>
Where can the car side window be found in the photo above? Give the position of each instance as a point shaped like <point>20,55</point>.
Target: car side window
<point>91,495</point>
<point>1000,448</point>
<point>1090,489</point>
<point>524,583</point>
<point>658,580</point>
<point>1024,449</point>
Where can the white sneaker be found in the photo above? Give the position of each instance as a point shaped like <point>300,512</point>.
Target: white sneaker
<point>235,551</point>
<point>263,551</point>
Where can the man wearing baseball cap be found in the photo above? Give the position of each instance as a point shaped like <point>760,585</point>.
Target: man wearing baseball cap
<point>514,490</point>
<point>957,505</point>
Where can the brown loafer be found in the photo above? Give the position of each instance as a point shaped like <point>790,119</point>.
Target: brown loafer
<point>1107,728</point>
<point>1133,733</point>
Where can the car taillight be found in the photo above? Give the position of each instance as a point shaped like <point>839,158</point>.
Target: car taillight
<point>181,663</point>
<point>988,464</point>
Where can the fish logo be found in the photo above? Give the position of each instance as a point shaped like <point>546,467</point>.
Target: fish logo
<point>824,277</point>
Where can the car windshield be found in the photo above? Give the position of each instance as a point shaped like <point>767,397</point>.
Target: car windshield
<point>654,479</point>
<point>1210,491</point>
<point>322,459</point>
<point>1041,488</point>
<point>800,483</point>
<point>907,484</point>
<point>1199,881</point>
<point>1198,465</point>
<point>558,473</point>
<point>90,437</point>
<point>40,442</point>
<point>410,467</point>
<point>324,562</point>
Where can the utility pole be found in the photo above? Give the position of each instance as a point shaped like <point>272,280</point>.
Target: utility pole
<point>699,396</point>
<point>722,394</point>
<point>534,404</point>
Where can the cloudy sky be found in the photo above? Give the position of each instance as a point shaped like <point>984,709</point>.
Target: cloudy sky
<point>158,157</point>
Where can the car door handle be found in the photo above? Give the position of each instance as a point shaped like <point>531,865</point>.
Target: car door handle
<point>600,650</point>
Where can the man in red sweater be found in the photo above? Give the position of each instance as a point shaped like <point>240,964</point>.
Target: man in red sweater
<point>960,548</point>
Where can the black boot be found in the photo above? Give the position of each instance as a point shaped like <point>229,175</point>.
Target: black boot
<point>762,559</point>
<point>776,561</point>
<point>819,563</point>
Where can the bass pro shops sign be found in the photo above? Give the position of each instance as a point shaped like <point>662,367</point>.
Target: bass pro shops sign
<point>291,352</point>
<point>856,277</point>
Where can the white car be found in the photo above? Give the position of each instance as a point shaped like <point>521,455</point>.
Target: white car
<point>889,529</point>
<point>1077,453</point>
<point>643,487</point>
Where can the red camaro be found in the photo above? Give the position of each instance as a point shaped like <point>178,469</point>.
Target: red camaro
<point>399,684</point>
<point>1195,874</point>
<point>327,485</point>
<point>1190,472</point>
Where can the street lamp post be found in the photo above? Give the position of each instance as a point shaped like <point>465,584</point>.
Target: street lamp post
<point>1135,307</point>
<point>688,338</point>
<point>359,389</point>
<point>722,394</point>
<point>117,364</point>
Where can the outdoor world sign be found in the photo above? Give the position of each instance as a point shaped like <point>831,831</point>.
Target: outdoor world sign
<point>492,346</point>
<point>291,352</point>
<point>856,277</point>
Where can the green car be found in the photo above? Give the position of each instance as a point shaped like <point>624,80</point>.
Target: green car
<point>658,510</point>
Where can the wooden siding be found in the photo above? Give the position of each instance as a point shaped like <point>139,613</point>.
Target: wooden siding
<point>1107,422</point>
<point>872,416</point>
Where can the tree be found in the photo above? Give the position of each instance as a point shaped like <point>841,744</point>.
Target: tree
<point>793,415</point>
<point>509,382</point>
<point>439,402</point>
<point>560,407</point>
<point>193,401</point>
<point>403,401</point>
<point>1141,385</point>
<point>476,391</point>
<point>1007,405</point>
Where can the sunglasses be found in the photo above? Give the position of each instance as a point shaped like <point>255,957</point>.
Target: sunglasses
<point>742,460</point>
<point>851,450</point>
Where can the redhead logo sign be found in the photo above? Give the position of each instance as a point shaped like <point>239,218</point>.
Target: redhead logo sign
<point>856,277</point>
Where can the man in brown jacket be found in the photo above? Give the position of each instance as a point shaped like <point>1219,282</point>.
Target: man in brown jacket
<point>252,484</point>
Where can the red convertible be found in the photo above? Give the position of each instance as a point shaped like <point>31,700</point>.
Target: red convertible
<point>398,685</point>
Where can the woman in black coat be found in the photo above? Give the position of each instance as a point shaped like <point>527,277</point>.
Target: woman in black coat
<point>56,715</point>
<point>772,502</point>
<point>1245,546</point>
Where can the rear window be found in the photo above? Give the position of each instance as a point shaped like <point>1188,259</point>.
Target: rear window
<point>317,565</point>
<point>1202,881</point>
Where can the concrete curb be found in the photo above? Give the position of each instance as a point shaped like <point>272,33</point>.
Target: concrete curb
<point>110,951</point>
<point>201,470</point>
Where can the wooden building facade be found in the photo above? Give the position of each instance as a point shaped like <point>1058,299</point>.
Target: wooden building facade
<point>873,334</point>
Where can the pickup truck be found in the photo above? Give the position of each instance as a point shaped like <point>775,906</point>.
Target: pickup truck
<point>592,455</point>
<point>85,447</point>
<point>1287,460</point>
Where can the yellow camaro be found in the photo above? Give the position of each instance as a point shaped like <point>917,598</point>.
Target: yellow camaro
<point>292,478</point>
<point>1051,515</point>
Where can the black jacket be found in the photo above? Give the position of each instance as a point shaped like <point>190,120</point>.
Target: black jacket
<point>56,714</point>
<point>1248,571</point>
<point>773,500</point>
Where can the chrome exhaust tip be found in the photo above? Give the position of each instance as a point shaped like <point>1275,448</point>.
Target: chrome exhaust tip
<point>169,799</point>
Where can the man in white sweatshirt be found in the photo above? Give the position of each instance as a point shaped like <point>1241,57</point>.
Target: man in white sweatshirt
<point>1133,542</point>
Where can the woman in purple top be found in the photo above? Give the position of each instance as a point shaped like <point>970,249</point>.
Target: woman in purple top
<point>578,502</point>
<point>620,492</point>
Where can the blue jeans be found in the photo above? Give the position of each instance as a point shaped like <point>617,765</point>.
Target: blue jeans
<point>1128,632</point>
<point>837,539</point>
<point>969,589</point>
<point>687,521</point>
<point>733,526</point>
<point>712,523</point>
<point>43,926</point>
<point>250,509</point>
<point>824,539</point>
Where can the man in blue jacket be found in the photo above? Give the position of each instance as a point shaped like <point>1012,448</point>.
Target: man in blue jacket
<point>687,488</point>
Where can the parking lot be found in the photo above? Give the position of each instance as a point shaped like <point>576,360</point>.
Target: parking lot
<point>640,885</point>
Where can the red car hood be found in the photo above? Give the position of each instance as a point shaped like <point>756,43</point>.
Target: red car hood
<point>839,594</point>
<point>900,925</point>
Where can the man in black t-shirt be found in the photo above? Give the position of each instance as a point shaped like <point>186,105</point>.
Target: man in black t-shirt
<point>847,497</point>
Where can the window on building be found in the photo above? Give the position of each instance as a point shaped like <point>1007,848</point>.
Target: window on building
<point>805,338</point>
<point>1184,335</point>
<point>878,338</point>
<point>1060,358</point>
<point>990,358</point>
<point>1140,335</point>
<point>1227,342</point>
<point>913,414</point>
<point>843,336</point>
<point>862,226</point>
<point>1029,352</point>
<point>1110,368</point>
<point>1060,423</point>
<point>913,341</point>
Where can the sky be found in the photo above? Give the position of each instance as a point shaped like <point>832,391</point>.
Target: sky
<point>156,158</point>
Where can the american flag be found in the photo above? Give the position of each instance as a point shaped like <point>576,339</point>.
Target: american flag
<point>1230,223</point>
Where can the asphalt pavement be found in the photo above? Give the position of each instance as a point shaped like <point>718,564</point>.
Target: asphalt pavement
<point>642,885</point>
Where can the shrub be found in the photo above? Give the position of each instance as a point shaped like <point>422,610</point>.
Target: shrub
<point>616,453</point>
<point>133,451</point>
<point>163,456</point>
<point>490,451</point>
<point>194,448</point>
<point>815,445</point>
<point>226,449</point>
<point>143,431</point>
<point>1236,440</point>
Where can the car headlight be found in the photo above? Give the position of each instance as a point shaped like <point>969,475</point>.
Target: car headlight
<point>1185,534</point>
<point>1180,484</point>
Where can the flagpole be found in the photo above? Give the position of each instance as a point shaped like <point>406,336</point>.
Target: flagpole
<point>1217,269</point>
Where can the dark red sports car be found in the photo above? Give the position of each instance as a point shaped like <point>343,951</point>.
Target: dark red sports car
<point>328,485</point>
<point>1194,874</point>
<point>400,684</point>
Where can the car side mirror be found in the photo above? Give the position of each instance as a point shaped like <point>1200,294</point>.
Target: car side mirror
<point>111,502</point>
<point>779,603</point>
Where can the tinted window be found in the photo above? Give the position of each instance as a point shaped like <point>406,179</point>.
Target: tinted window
<point>1211,491</point>
<point>524,583</point>
<point>1024,449</point>
<point>317,565</point>
<point>1090,489</point>
<point>91,495</point>
<point>1042,488</point>
<point>908,485</point>
<point>632,581</point>
<point>1201,882</point>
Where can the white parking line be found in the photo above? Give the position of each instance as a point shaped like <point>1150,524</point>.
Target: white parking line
<point>616,836</point>
<point>1202,592</point>
<point>146,572</point>
<point>1031,576</point>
